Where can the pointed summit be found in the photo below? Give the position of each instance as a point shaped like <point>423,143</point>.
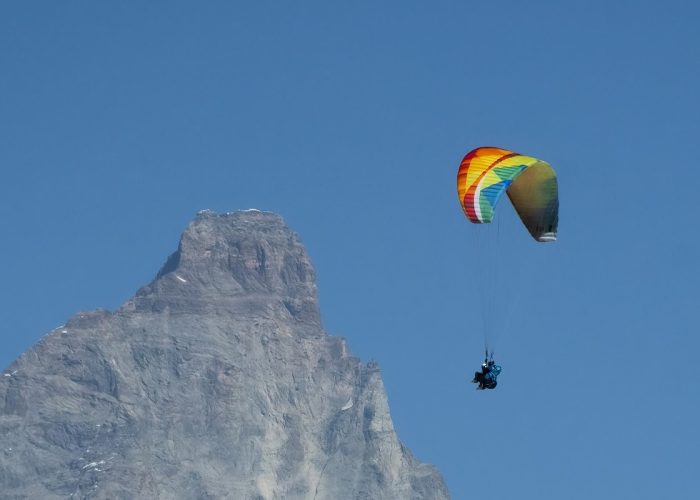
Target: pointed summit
<point>245,258</point>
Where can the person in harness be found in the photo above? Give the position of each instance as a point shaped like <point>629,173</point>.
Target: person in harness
<point>486,378</point>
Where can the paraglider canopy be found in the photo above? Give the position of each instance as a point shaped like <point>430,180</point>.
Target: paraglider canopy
<point>486,172</point>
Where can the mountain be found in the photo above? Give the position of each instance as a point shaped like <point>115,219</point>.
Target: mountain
<point>216,380</point>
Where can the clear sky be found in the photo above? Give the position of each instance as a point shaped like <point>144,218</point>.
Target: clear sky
<point>120,120</point>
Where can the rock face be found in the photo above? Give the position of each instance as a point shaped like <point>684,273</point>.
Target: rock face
<point>214,381</point>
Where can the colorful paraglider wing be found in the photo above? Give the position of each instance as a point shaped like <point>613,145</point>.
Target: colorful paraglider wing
<point>486,173</point>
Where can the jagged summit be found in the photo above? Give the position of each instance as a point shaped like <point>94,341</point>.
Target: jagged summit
<point>211,238</point>
<point>216,380</point>
<point>225,260</point>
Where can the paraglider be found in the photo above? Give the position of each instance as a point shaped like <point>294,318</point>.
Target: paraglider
<point>486,378</point>
<point>531,184</point>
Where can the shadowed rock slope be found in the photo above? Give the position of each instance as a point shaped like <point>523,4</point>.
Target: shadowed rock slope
<point>214,381</point>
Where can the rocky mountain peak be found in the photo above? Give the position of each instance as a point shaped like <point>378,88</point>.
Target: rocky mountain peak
<point>216,380</point>
<point>225,259</point>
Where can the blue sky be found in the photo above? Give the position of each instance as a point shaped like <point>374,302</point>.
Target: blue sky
<point>121,120</point>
